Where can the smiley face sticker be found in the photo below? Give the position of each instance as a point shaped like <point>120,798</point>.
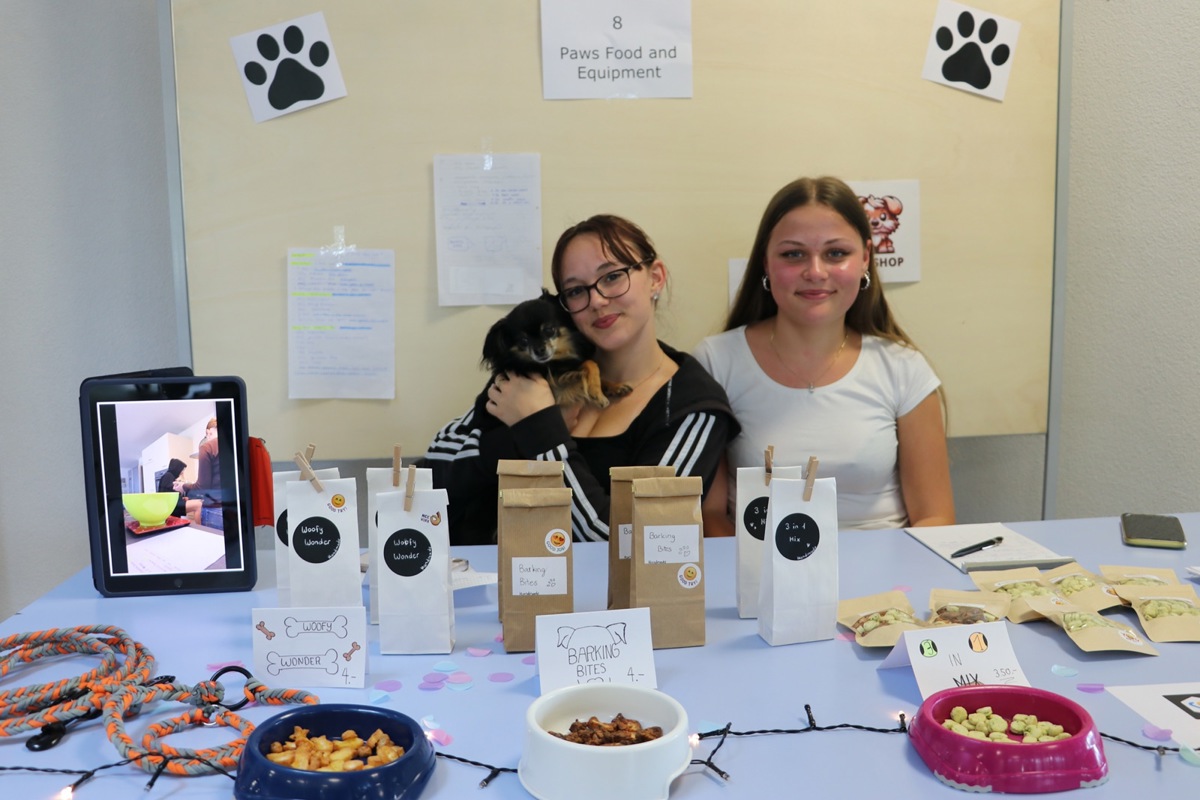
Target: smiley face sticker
<point>558,541</point>
<point>689,576</point>
<point>337,502</point>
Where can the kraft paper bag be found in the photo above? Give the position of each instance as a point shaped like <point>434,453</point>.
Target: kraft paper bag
<point>379,479</point>
<point>514,474</point>
<point>323,531</point>
<point>279,482</point>
<point>620,527</point>
<point>537,561</point>
<point>412,552</point>
<point>667,565</point>
<point>798,593</point>
<point>753,495</point>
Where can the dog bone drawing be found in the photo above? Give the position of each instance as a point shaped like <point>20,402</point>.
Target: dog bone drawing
<point>353,648</point>
<point>327,661</point>
<point>267,632</point>
<point>296,627</point>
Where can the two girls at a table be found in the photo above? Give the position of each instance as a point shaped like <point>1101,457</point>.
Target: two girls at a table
<point>811,362</point>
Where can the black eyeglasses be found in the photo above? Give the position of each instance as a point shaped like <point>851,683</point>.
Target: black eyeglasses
<point>610,286</point>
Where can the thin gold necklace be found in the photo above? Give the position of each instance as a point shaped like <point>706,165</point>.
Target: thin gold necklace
<point>626,389</point>
<point>812,385</point>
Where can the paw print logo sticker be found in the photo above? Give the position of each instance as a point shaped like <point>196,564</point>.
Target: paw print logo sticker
<point>288,67</point>
<point>971,50</point>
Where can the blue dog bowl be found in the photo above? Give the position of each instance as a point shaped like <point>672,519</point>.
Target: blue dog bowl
<point>259,778</point>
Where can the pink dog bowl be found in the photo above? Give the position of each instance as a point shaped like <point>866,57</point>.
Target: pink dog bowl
<point>975,765</point>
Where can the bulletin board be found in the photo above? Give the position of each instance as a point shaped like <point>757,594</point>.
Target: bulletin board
<point>781,89</point>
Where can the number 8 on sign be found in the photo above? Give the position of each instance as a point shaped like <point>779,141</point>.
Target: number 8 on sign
<point>797,536</point>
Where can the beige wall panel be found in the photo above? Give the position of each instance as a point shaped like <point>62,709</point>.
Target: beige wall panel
<point>782,89</point>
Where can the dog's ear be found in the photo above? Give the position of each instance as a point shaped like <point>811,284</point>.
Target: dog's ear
<point>496,343</point>
<point>893,205</point>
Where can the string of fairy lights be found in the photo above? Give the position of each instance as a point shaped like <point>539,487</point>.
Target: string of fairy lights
<point>121,685</point>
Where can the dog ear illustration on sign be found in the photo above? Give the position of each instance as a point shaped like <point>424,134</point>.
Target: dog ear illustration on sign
<point>970,49</point>
<point>288,67</point>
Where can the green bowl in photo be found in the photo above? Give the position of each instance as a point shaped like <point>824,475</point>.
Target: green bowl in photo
<point>150,508</point>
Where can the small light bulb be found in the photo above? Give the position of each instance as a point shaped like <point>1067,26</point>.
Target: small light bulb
<point>64,794</point>
<point>694,740</point>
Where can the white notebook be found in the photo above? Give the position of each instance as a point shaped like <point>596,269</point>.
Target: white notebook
<point>1015,551</point>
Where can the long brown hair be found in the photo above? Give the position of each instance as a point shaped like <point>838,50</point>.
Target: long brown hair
<point>619,237</point>
<point>869,314</point>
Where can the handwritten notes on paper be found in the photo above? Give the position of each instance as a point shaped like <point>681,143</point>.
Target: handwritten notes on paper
<point>341,324</point>
<point>488,212</point>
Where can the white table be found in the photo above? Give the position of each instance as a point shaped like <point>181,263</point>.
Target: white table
<point>735,678</point>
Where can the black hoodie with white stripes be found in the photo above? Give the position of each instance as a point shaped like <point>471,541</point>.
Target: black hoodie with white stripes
<point>686,424</point>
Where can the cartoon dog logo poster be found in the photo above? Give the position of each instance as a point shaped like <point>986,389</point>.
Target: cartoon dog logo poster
<point>894,212</point>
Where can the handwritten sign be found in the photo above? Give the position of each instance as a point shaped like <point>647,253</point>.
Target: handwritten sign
<point>311,646</point>
<point>948,656</point>
<point>597,49</point>
<point>595,647</point>
<point>539,575</point>
<point>672,544</point>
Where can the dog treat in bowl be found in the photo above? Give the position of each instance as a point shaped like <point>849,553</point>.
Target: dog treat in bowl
<point>345,754</point>
<point>985,724</point>
<point>618,732</point>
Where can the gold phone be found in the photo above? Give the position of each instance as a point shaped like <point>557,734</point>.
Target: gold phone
<point>1152,530</point>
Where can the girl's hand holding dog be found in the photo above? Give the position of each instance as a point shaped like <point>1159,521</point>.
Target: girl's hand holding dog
<point>512,398</point>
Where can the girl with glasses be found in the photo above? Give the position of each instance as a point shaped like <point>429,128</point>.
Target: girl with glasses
<point>610,279</point>
<point>815,365</point>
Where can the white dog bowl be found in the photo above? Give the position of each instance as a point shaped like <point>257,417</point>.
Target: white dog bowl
<point>554,769</point>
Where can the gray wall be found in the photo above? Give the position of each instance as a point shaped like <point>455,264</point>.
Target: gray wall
<point>87,284</point>
<point>89,287</point>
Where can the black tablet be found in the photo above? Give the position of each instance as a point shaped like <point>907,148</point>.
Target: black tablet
<point>168,488</point>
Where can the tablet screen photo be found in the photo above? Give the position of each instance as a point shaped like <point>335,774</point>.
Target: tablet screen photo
<point>165,463</point>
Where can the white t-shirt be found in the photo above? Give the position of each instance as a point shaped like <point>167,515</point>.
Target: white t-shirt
<point>849,425</point>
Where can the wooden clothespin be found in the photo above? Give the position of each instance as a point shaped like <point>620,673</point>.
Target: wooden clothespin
<point>308,452</point>
<point>810,478</point>
<point>395,465</point>
<point>769,462</point>
<point>306,471</point>
<point>410,487</point>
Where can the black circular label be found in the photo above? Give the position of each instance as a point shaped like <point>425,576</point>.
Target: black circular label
<point>316,540</point>
<point>755,518</point>
<point>407,552</point>
<point>281,528</point>
<point>797,536</point>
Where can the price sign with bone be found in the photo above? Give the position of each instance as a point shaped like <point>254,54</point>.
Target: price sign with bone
<point>312,647</point>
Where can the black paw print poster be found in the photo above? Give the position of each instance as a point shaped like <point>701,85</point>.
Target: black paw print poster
<point>288,67</point>
<point>971,49</point>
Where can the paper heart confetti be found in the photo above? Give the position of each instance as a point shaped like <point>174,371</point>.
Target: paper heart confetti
<point>1156,733</point>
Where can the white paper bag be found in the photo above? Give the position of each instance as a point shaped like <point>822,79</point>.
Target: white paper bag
<point>323,531</point>
<point>379,479</point>
<point>751,520</point>
<point>798,593</point>
<point>416,602</point>
<point>282,548</point>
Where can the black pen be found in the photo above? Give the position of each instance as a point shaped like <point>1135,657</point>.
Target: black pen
<point>975,548</point>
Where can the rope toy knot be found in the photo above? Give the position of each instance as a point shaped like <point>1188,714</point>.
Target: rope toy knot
<point>206,694</point>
